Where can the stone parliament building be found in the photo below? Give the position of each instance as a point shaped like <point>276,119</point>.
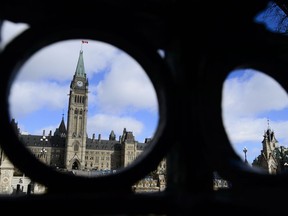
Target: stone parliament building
<point>70,149</point>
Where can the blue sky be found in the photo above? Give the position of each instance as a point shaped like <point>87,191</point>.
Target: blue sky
<point>121,94</point>
<point>252,100</point>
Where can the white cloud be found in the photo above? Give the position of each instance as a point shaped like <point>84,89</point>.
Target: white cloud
<point>27,97</point>
<point>248,102</point>
<point>127,87</point>
<point>58,61</point>
<point>245,129</point>
<point>117,84</point>
<point>252,130</point>
<point>252,96</point>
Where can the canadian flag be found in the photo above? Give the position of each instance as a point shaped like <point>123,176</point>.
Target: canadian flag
<point>83,41</point>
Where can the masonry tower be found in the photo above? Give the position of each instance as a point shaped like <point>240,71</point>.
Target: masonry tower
<point>77,118</point>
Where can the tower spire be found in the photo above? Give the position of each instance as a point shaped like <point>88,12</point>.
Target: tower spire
<point>80,69</point>
<point>77,118</point>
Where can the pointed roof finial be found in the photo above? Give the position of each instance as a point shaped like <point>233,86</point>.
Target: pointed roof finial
<point>62,127</point>
<point>80,69</point>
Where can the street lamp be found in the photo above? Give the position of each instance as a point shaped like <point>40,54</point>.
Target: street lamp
<point>245,151</point>
<point>43,151</point>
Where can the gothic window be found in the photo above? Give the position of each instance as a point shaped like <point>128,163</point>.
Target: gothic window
<point>76,111</point>
<point>76,147</point>
<point>81,112</point>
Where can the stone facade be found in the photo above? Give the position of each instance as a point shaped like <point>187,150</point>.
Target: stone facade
<point>219,182</point>
<point>6,174</point>
<point>273,158</point>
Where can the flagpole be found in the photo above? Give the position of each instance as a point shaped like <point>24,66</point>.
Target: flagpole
<point>83,41</point>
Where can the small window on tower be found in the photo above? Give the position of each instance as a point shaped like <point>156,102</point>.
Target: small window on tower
<point>76,147</point>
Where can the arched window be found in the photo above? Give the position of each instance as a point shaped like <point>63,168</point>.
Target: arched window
<point>76,147</point>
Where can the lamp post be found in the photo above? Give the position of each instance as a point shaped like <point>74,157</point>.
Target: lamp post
<point>245,151</point>
<point>43,151</point>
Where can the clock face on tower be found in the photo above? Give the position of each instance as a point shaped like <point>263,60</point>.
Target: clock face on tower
<point>79,83</point>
